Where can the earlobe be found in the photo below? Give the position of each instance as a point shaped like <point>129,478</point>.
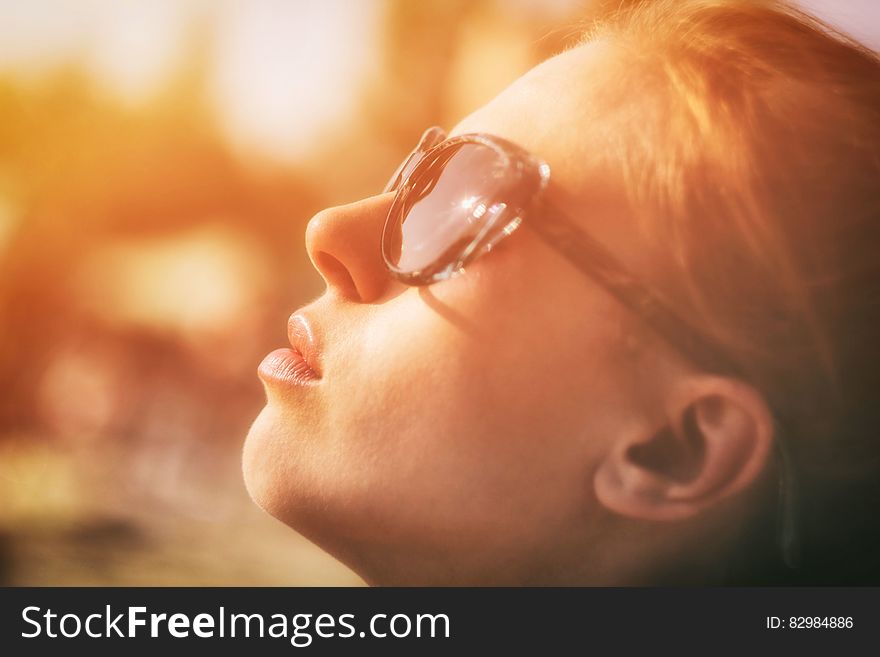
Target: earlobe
<point>714,441</point>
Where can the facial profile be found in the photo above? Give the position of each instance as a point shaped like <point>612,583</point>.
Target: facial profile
<point>516,423</point>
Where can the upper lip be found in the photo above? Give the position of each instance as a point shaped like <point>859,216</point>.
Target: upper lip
<point>303,338</point>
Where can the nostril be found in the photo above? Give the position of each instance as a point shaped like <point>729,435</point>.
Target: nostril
<point>337,275</point>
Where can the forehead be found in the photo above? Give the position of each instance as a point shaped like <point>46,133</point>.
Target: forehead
<point>572,111</point>
<point>554,111</point>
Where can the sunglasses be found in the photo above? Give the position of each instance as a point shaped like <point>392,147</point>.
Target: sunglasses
<point>456,198</point>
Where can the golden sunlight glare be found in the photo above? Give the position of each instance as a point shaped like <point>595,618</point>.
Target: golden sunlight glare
<point>281,85</point>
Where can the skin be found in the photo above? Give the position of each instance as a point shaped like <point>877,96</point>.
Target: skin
<point>516,424</point>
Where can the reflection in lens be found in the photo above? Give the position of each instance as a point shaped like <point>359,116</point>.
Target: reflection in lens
<point>453,197</point>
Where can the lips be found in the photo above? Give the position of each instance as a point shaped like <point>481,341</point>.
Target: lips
<point>298,365</point>
<point>303,338</point>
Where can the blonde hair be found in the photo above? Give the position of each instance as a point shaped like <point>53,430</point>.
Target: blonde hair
<point>757,167</point>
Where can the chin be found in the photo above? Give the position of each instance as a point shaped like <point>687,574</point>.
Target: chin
<point>280,478</point>
<point>263,467</point>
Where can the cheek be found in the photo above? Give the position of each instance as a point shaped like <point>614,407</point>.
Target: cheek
<point>464,413</point>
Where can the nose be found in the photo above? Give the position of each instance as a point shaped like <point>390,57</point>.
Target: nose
<point>344,246</point>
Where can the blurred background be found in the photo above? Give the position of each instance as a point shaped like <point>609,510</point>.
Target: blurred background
<point>159,160</point>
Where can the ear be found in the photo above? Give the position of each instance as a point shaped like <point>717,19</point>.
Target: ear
<point>714,441</point>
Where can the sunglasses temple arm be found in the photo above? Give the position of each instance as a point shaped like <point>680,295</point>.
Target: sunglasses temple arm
<point>594,260</point>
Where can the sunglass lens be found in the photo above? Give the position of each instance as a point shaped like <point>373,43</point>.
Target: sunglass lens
<point>448,205</point>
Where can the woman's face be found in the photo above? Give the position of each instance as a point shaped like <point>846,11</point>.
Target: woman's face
<point>454,429</point>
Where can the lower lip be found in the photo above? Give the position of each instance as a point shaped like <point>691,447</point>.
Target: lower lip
<point>287,367</point>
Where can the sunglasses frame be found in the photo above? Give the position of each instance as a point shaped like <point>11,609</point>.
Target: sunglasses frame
<point>556,230</point>
<point>516,165</point>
